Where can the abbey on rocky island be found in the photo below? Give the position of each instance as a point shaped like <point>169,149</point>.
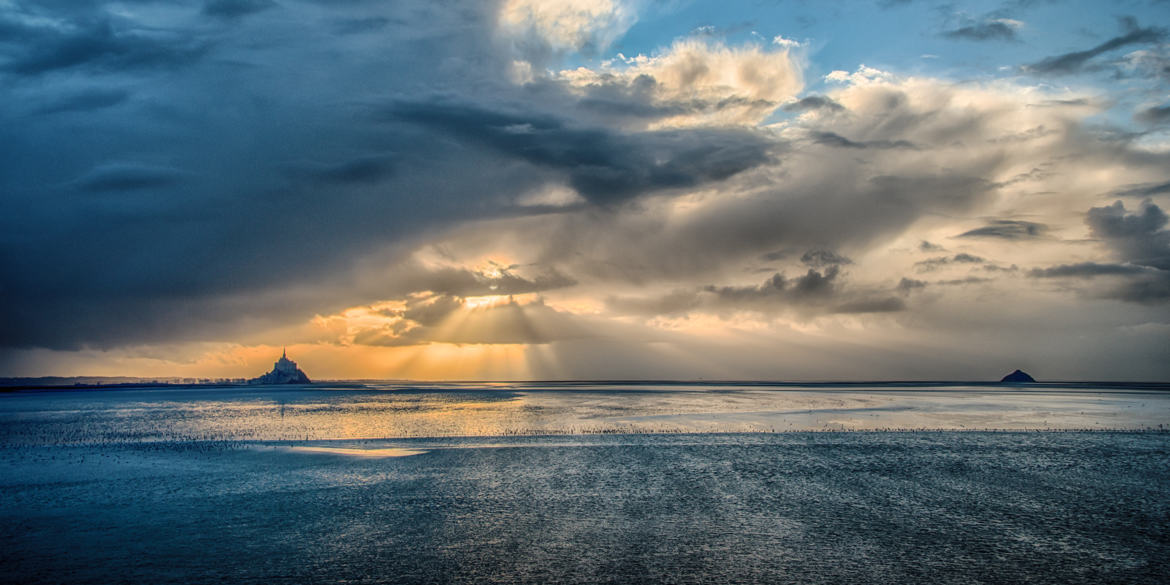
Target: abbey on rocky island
<point>284,371</point>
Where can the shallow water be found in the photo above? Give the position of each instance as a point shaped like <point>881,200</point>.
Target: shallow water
<point>105,417</point>
<point>270,486</point>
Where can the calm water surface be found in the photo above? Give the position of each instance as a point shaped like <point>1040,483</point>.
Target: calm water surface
<point>441,484</point>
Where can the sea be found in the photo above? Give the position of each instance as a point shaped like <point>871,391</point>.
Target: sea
<point>615,482</point>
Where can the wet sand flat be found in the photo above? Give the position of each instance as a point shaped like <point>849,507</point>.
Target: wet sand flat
<point>452,484</point>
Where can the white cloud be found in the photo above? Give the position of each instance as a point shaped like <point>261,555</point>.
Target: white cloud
<point>838,76</point>
<point>568,24</point>
<point>786,43</point>
<point>864,74</point>
<point>1016,24</point>
<point>701,82</point>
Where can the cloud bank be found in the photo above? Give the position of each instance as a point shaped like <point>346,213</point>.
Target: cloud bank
<point>411,182</point>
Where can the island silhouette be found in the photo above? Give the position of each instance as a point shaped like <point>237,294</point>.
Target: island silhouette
<point>1017,377</point>
<point>284,371</point>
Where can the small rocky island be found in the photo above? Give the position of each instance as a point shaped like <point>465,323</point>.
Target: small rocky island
<point>1017,377</point>
<point>284,371</point>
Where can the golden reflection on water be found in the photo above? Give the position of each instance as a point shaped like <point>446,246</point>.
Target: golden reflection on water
<point>418,410</point>
<point>502,412</point>
<point>384,452</point>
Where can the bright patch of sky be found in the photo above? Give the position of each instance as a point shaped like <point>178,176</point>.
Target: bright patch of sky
<point>960,41</point>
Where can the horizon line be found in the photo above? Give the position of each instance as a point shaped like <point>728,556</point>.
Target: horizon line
<point>13,381</point>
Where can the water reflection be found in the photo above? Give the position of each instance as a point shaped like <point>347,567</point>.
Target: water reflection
<point>379,411</point>
<point>537,484</point>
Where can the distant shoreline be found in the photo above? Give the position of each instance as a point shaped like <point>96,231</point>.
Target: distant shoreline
<point>94,383</point>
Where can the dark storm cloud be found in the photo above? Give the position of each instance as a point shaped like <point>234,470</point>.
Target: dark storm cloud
<point>432,310</point>
<point>604,166</point>
<point>820,258</point>
<point>1138,284</point>
<point>842,210</point>
<point>932,264</point>
<point>1008,229</point>
<point>1087,270</point>
<point>353,26</point>
<point>963,281</point>
<point>816,292</point>
<point>775,255</point>
<point>907,285</point>
<point>128,177</point>
<point>229,187</point>
<point>838,141</point>
<point>630,108</point>
<point>966,258</point>
<point>362,170</point>
<point>1155,114</point>
<point>814,102</point>
<point>991,30</point>
<point>1143,190</point>
<point>155,313</point>
<point>1139,241</point>
<point>634,107</point>
<point>812,287</point>
<point>1152,290</point>
<point>1076,61</point>
<point>85,101</point>
<point>97,43</point>
<point>1137,238</point>
<point>235,8</point>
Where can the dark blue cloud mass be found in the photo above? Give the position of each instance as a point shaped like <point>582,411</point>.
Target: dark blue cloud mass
<point>1008,229</point>
<point>235,8</point>
<point>605,167</point>
<point>210,164</point>
<point>85,101</point>
<point>98,43</point>
<point>127,177</point>
<point>231,145</point>
<point>1076,61</point>
<point>992,30</point>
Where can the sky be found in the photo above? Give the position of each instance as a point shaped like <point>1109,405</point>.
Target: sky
<point>586,189</point>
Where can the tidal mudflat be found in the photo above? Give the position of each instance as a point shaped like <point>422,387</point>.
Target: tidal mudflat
<point>409,483</point>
